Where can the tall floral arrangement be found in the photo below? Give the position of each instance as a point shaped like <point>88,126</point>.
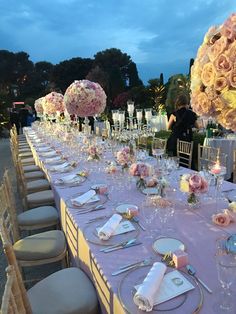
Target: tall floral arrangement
<point>85,98</point>
<point>213,75</point>
<point>38,105</point>
<point>52,103</point>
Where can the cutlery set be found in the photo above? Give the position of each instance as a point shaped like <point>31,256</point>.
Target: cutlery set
<point>122,245</point>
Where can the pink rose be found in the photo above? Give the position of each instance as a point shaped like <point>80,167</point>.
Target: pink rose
<point>232,77</point>
<point>133,170</point>
<point>221,219</point>
<point>219,46</point>
<point>197,184</point>
<point>223,64</point>
<point>208,74</point>
<point>150,182</point>
<point>201,104</point>
<point>221,82</point>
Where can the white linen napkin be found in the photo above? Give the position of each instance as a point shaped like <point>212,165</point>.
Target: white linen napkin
<point>43,149</point>
<point>68,179</point>
<point>52,160</point>
<point>144,298</point>
<point>84,198</point>
<point>60,167</point>
<point>110,226</point>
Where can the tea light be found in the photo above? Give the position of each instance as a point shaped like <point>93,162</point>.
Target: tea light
<point>180,258</point>
<point>139,115</point>
<point>130,105</point>
<point>216,169</point>
<point>102,189</point>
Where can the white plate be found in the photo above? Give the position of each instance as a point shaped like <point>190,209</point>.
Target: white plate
<point>123,208</point>
<point>150,191</point>
<point>232,196</point>
<point>166,245</point>
<point>97,186</point>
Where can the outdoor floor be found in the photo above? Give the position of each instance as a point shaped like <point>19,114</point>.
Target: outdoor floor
<point>30,272</point>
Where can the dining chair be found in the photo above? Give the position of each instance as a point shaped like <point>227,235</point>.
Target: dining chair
<point>66,291</point>
<point>234,166</point>
<point>34,250</point>
<point>32,219</point>
<point>185,153</point>
<point>205,155</point>
<point>159,143</point>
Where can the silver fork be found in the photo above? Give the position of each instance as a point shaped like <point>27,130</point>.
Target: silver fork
<point>98,207</point>
<point>145,262</point>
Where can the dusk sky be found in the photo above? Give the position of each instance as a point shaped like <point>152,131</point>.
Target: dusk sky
<point>159,35</point>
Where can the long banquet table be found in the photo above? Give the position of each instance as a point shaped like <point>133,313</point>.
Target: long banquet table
<point>194,228</point>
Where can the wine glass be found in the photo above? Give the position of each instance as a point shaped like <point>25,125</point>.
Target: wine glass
<point>164,210</point>
<point>226,267</point>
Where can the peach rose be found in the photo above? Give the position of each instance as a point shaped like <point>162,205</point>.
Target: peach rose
<point>221,219</point>
<point>208,74</point>
<point>201,104</point>
<point>219,46</point>
<point>231,53</point>
<point>223,64</point>
<point>232,77</point>
<point>231,215</point>
<point>213,30</point>
<point>221,82</point>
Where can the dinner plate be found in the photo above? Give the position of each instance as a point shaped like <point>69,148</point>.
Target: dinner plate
<point>91,234</point>
<point>189,302</point>
<point>165,245</point>
<point>150,191</point>
<point>73,182</point>
<point>123,208</point>
<point>232,196</point>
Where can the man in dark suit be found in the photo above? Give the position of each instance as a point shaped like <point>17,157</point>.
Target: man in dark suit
<point>23,115</point>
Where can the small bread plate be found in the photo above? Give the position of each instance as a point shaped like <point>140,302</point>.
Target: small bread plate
<point>124,208</point>
<point>166,245</point>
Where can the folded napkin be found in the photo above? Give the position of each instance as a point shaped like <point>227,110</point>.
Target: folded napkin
<point>68,179</point>
<point>110,227</point>
<point>84,198</point>
<point>60,167</point>
<point>145,296</point>
<point>43,149</point>
<point>52,160</point>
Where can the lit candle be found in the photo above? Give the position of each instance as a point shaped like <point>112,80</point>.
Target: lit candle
<point>148,115</point>
<point>216,169</point>
<point>130,105</point>
<point>139,114</point>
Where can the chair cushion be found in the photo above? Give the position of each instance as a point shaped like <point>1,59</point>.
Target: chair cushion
<point>68,291</point>
<point>30,168</point>
<point>24,150</point>
<point>34,175</point>
<point>37,185</point>
<point>25,155</point>
<point>38,216</point>
<point>40,198</point>
<point>28,161</point>
<point>43,245</point>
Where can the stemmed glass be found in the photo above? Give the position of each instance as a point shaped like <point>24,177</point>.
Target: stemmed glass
<point>164,210</point>
<point>226,267</point>
<point>157,151</point>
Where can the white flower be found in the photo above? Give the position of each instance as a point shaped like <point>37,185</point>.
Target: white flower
<point>232,206</point>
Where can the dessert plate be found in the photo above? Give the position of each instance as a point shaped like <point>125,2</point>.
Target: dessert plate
<point>123,208</point>
<point>165,245</point>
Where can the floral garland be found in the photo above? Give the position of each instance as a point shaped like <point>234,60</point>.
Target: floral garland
<point>38,105</point>
<point>213,75</point>
<point>52,103</point>
<point>85,98</point>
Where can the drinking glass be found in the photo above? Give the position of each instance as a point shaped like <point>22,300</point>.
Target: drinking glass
<point>164,212</point>
<point>226,272</point>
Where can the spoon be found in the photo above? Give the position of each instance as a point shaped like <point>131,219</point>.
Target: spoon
<point>145,262</point>
<point>98,207</point>
<point>192,271</point>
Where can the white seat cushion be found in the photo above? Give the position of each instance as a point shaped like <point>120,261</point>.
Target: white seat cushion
<point>38,216</point>
<point>37,185</point>
<point>30,168</point>
<point>40,198</point>
<point>34,175</point>
<point>68,291</point>
<point>43,245</point>
<point>25,155</point>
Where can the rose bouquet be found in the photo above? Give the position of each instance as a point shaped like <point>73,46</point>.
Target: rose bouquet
<point>38,105</point>
<point>85,98</point>
<point>193,184</point>
<point>94,152</point>
<point>213,75</point>
<point>143,171</point>
<point>225,218</point>
<point>52,103</point>
<point>124,157</point>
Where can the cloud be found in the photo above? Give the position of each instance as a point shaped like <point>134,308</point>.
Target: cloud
<point>161,34</point>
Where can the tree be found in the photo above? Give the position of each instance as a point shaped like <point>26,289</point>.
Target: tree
<point>156,92</point>
<point>97,75</point>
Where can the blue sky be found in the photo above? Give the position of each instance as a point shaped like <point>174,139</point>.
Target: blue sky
<point>159,35</point>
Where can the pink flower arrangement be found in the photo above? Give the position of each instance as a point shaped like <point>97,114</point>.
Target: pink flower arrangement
<point>85,98</point>
<point>94,152</point>
<point>124,157</point>
<point>140,169</point>
<point>193,183</point>
<point>52,103</point>
<point>111,169</point>
<point>213,75</point>
<point>38,105</point>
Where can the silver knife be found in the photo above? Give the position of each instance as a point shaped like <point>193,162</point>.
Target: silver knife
<point>122,247</point>
<point>118,244</point>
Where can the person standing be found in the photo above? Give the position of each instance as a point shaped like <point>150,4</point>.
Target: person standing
<point>14,119</point>
<point>23,115</point>
<point>181,123</point>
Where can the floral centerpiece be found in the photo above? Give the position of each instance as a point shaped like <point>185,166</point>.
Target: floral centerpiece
<point>227,216</point>
<point>124,157</point>
<point>38,105</point>
<point>141,170</point>
<point>94,152</point>
<point>53,103</point>
<point>85,98</point>
<point>193,184</point>
<point>213,75</point>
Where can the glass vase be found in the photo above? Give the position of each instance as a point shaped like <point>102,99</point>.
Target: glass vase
<point>193,201</point>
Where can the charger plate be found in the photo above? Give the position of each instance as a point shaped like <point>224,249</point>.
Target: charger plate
<point>90,234</point>
<point>190,302</point>
<point>102,200</point>
<point>77,181</point>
